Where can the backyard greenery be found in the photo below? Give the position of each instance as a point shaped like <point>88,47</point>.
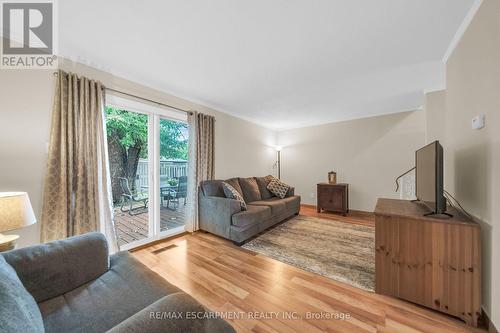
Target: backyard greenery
<point>128,142</point>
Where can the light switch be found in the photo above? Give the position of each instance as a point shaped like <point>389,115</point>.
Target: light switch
<point>478,122</point>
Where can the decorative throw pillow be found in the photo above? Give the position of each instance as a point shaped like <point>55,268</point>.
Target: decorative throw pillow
<point>278,188</point>
<point>231,193</point>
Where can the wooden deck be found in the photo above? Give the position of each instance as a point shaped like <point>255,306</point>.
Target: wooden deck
<point>131,228</point>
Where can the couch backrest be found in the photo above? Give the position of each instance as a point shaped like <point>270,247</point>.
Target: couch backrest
<point>235,182</point>
<point>52,269</point>
<point>251,188</point>
<point>18,309</point>
<point>212,188</point>
<point>262,182</point>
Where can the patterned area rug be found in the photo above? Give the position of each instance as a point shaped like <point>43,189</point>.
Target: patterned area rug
<point>341,251</point>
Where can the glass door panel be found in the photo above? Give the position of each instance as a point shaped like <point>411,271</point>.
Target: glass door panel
<point>173,155</point>
<point>129,161</point>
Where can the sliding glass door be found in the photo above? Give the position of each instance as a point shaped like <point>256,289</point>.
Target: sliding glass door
<point>129,162</point>
<point>173,164</point>
<point>147,148</point>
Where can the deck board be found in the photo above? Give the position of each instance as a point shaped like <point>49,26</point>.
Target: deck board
<point>131,228</point>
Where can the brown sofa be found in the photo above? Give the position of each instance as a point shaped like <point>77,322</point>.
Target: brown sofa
<point>224,217</point>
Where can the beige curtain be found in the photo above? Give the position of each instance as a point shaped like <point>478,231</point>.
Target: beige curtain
<point>77,192</point>
<point>201,161</point>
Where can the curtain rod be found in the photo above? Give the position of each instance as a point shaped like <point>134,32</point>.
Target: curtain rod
<point>142,98</point>
<point>148,100</point>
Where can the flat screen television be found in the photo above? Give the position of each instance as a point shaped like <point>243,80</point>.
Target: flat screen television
<point>429,177</point>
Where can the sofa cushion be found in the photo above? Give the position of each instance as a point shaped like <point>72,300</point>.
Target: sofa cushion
<point>292,203</point>
<point>234,182</point>
<point>212,188</point>
<point>254,214</point>
<point>49,270</point>
<point>18,309</point>
<point>278,188</point>
<point>232,193</point>
<point>277,205</point>
<point>262,182</point>
<point>125,289</point>
<point>250,189</point>
<point>188,313</point>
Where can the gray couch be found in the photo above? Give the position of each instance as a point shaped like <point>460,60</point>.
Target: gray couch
<point>224,217</point>
<point>73,285</point>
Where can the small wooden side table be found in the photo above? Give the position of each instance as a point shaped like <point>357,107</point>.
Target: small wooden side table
<point>333,197</point>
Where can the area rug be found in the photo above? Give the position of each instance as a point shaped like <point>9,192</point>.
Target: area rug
<point>341,251</point>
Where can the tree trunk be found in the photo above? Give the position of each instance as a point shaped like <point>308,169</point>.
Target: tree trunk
<point>122,163</point>
<point>133,155</point>
<point>117,158</point>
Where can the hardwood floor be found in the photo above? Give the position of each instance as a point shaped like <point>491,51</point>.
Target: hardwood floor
<point>354,216</point>
<point>265,295</point>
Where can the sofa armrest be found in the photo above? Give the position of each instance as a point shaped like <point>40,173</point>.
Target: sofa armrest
<point>177,312</point>
<point>291,192</point>
<point>52,269</point>
<point>215,214</point>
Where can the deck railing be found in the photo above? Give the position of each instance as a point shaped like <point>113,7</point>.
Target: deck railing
<point>168,169</point>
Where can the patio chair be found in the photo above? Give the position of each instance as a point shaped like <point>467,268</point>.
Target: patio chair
<point>129,198</point>
<point>178,193</point>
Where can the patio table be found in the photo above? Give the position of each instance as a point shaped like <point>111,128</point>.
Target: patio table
<point>165,189</point>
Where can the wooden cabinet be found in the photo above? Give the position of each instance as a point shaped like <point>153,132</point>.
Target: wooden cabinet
<point>333,197</point>
<point>434,262</point>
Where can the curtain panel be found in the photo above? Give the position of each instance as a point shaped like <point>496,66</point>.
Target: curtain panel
<point>201,161</point>
<point>77,191</point>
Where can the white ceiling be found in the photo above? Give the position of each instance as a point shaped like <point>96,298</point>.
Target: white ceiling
<point>279,63</point>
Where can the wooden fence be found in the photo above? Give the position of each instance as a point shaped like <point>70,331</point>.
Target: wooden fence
<point>168,169</point>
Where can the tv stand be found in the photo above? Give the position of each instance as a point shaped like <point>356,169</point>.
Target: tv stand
<point>429,261</point>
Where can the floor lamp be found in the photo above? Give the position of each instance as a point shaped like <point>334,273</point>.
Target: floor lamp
<point>278,160</point>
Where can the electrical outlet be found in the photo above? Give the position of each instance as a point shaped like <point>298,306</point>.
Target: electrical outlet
<point>312,194</point>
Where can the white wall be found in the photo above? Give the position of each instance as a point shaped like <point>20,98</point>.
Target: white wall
<point>241,148</point>
<point>435,117</point>
<point>367,153</point>
<point>25,100</point>
<point>472,157</point>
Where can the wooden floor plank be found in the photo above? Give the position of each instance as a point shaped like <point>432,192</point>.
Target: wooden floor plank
<point>226,278</point>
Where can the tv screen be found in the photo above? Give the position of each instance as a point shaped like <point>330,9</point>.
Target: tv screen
<point>429,177</point>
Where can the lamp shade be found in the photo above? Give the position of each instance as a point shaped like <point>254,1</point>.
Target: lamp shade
<point>15,211</point>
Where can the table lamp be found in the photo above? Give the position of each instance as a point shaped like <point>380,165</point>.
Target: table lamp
<point>15,212</point>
